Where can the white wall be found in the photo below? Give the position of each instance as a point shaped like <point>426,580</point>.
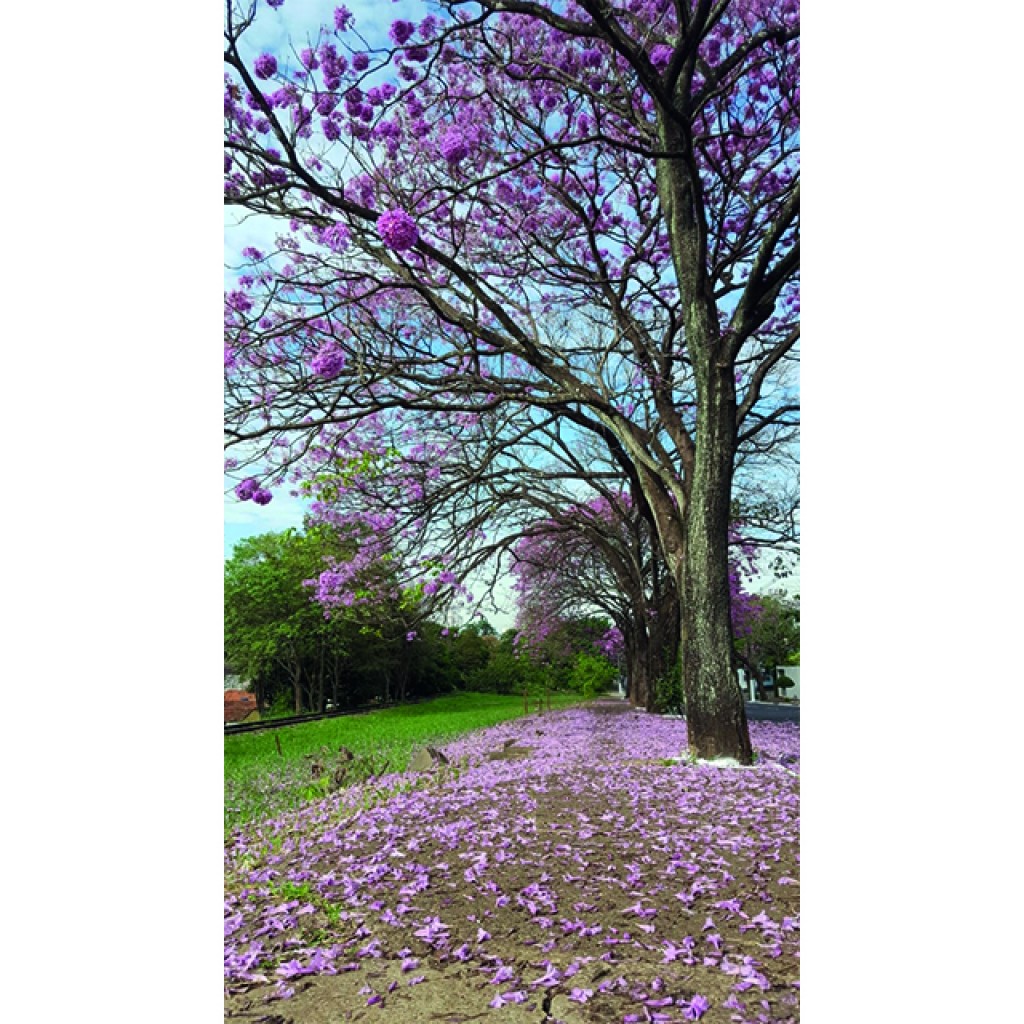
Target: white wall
<point>793,693</point>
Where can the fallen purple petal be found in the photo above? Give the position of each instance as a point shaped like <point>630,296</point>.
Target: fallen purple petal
<point>576,853</point>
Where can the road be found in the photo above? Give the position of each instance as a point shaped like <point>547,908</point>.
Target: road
<point>762,711</point>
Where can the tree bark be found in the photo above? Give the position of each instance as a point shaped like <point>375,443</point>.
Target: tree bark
<point>715,713</point>
<point>638,670</point>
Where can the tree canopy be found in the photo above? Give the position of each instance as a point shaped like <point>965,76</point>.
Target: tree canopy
<point>578,218</point>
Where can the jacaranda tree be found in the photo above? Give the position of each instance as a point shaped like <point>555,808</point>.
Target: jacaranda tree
<point>588,208</point>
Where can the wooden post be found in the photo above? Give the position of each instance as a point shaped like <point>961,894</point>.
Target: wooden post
<point>526,701</point>
<point>277,741</point>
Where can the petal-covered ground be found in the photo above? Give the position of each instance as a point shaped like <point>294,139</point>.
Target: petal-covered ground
<point>560,868</point>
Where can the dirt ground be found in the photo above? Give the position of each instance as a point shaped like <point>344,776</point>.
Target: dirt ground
<point>571,875</point>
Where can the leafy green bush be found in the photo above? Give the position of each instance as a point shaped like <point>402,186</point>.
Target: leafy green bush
<point>591,675</point>
<point>282,706</point>
<point>668,693</point>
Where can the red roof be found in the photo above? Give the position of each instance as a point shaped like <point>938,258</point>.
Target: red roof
<point>238,705</point>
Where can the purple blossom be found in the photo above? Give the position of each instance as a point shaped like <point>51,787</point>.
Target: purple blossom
<point>326,102</point>
<point>660,56</point>
<point>342,18</point>
<point>454,147</point>
<point>262,496</point>
<point>696,1008</point>
<point>328,362</point>
<point>239,301</point>
<point>265,66</point>
<point>397,230</point>
<point>401,31</point>
<point>360,61</point>
<point>336,237</point>
<point>291,969</point>
<point>246,489</point>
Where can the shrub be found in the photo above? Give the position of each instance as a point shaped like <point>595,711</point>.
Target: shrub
<point>668,692</point>
<point>592,675</point>
<point>282,706</point>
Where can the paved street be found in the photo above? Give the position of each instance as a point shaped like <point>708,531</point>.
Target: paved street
<point>765,711</point>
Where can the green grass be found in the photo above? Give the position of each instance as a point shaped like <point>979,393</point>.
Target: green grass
<point>260,783</point>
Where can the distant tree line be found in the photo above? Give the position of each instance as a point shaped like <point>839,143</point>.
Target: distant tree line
<point>388,647</point>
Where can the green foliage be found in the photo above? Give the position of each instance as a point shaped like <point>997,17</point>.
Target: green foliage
<point>281,705</point>
<point>507,672</point>
<point>277,635</point>
<point>775,634</point>
<point>592,675</point>
<point>668,692</point>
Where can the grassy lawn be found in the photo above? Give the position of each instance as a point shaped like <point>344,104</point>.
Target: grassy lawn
<point>260,783</point>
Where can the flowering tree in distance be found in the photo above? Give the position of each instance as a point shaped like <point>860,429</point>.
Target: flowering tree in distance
<point>588,208</point>
<point>598,557</point>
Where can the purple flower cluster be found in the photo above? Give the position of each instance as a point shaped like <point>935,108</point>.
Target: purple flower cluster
<point>328,362</point>
<point>397,230</point>
<point>342,18</point>
<point>336,237</point>
<point>265,66</point>
<point>249,489</point>
<point>401,32</point>
<point>246,489</point>
<point>660,56</point>
<point>454,145</point>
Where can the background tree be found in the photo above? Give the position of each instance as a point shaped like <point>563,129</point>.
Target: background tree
<point>772,634</point>
<point>274,629</point>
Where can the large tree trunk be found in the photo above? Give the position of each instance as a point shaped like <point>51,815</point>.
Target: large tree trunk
<point>715,714</point>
